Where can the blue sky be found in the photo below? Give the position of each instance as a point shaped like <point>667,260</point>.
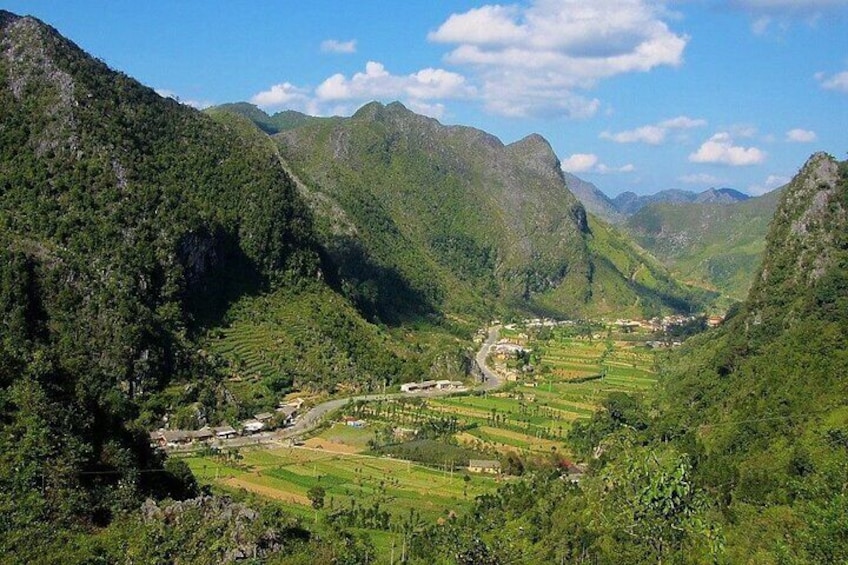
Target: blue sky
<point>638,95</point>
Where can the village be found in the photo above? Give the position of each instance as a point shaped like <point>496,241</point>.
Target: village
<point>284,416</point>
<point>510,356</point>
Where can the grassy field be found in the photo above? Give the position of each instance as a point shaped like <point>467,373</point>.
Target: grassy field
<point>287,474</point>
<point>571,375</point>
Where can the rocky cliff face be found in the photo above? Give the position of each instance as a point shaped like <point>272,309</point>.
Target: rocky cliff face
<point>593,199</point>
<point>806,259</point>
<point>462,217</point>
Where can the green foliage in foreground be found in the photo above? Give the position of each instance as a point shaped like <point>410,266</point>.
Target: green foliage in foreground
<point>639,510</point>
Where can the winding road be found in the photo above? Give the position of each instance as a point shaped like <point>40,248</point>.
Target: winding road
<point>312,419</point>
<point>489,380</point>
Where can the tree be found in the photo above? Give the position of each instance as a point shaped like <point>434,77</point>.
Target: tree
<point>316,496</point>
<point>648,501</point>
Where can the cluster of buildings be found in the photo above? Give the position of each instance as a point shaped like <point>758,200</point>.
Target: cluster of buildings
<point>283,416</point>
<point>424,386</point>
<point>666,322</point>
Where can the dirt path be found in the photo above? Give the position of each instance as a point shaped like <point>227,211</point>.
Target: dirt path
<point>266,491</point>
<point>331,446</point>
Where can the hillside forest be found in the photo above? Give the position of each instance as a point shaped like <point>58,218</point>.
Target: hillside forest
<point>167,269</point>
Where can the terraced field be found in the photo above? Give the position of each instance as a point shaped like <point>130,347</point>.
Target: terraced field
<point>287,474</point>
<point>572,375</point>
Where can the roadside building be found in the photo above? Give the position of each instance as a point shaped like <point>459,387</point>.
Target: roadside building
<point>225,432</point>
<point>484,466</point>
<point>203,434</point>
<point>252,426</point>
<point>288,414</point>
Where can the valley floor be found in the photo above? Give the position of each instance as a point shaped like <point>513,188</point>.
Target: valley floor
<point>384,460</point>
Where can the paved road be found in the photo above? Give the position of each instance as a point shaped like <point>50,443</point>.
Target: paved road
<point>312,419</point>
<point>491,380</point>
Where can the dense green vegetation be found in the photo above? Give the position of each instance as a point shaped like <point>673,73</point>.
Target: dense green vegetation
<point>155,260</point>
<point>450,219</point>
<point>126,223</point>
<point>718,245</point>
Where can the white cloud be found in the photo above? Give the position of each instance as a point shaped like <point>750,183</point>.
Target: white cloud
<point>798,135</point>
<point>579,163</point>
<point>772,182</point>
<point>484,25</point>
<point>336,46</point>
<point>339,94</point>
<point>782,14</point>
<point>588,163</point>
<point>743,130</point>
<point>838,82</point>
<point>761,25</point>
<point>284,94</point>
<point>801,5</point>
<point>605,169</point>
<point>701,178</point>
<point>377,82</point>
<point>653,134</point>
<point>436,110</point>
<point>683,122</point>
<point>532,60</point>
<point>720,149</point>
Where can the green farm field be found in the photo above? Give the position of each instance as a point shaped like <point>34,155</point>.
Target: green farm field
<point>572,376</point>
<point>286,474</point>
<point>530,417</point>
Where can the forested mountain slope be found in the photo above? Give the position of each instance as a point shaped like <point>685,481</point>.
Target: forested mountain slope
<point>767,392</point>
<point>742,458</point>
<point>127,221</point>
<point>467,223</point>
<point>718,244</point>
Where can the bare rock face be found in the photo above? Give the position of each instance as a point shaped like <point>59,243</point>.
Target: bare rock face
<point>806,250</point>
<point>237,528</point>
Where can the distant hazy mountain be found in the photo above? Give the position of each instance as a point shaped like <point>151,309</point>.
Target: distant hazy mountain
<point>721,196</point>
<point>628,203</point>
<point>595,201</point>
<point>713,238</point>
<point>708,241</point>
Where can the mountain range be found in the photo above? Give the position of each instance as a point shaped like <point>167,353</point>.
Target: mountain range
<point>466,221</point>
<point>616,210</point>
<point>145,244</point>
<point>712,239</point>
<point>157,262</point>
